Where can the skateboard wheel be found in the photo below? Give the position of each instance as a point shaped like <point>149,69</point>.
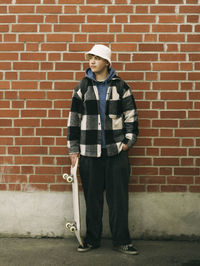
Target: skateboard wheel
<point>70,179</point>
<point>68,225</point>
<point>65,176</point>
<point>72,228</point>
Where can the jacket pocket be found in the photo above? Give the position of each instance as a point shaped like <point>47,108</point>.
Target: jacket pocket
<point>117,122</point>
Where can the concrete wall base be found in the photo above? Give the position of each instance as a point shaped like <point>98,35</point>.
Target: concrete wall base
<point>151,215</point>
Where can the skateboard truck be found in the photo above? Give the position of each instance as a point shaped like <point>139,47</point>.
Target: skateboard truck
<point>68,178</point>
<point>71,226</point>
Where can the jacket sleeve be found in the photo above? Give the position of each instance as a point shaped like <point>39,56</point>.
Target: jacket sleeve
<point>130,117</point>
<point>74,121</point>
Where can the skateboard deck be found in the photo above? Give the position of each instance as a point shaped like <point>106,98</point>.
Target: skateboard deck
<point>75,226</point>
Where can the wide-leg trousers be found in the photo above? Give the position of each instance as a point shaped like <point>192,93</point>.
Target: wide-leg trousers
<point>110,174</point>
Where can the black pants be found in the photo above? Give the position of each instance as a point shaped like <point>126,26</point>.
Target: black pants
<point>111,174</point>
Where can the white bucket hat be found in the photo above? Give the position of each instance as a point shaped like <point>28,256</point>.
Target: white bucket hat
<point>100,50</point>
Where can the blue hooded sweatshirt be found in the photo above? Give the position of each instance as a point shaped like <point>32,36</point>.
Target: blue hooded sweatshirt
<point>102,90</point>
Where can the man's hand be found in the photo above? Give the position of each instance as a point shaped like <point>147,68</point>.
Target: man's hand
<point>73,158</point>
<point>125,147</point>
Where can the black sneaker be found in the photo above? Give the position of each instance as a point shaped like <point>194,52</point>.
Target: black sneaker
<point>84,248</point>
<point>127,249</point>
<point>87,247</point>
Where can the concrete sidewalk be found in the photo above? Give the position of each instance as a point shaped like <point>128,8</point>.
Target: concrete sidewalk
<point>57,252</point>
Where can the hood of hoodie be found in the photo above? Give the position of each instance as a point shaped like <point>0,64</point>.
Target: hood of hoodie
<point>91,75</point>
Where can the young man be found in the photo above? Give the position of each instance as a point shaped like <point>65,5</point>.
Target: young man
<point>102,126</point>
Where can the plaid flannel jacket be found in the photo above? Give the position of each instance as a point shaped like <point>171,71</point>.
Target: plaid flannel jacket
<point>84,124</point>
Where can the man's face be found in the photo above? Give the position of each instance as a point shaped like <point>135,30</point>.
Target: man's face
<point>97,64</point>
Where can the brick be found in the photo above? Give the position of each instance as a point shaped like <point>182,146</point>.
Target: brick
<point>99,2</point>
<point>173,95</point>
<point>120,9</point>
<point>29,85</point>
<point>66,28</point>
<point>60,75</point>
<point>55,9</point>
<point>190,48</point>
<point>101,38</point>
<point>186,28</point>
<point>5,122</point>
<point>21,9</point>
<point>173,188</point>
<point>152,188</point>
<point>41,179</point>
<point>11,47</point>
<point>172,38</point>
<point>27,2</point>
<point>151,47</point>
<point>129,37</point>
<point>193,76</point>
<point>189,9</point>
<point>194,189</point>
<point>124,47</point>
<point>33,113</point>
<point>152,180</point>
<point>31,95</point>
<point>142,19</point>
<point>53,47</point>
<point>34,150</point>
<point>171,19</point>
<point>31,37</point>
<point>191,171</point>
<point>164,28</point>
<point>170,2</point>
<point>70,9</point>
<point>136,28</point>
<point>138,66</point>
<point>26,140</point>
<point>18,104</point>
<point>59,37</point>
<point>32,75</point>
<point>48,132</point>
<point>27,159</point>
<point>187,132</point>
<point>54,123</point>
<point>173,152</point>
<point>9,113</point>
<point>60,187</point>
<point>47,170</point>
<point>72,19</point>
<point>162,9</point>
<point>94,28</point>
<point>25,66</point>
<point>39,104</point>
<point>173,76</point>
<point>67,66</point>
<point>192,19</point>
<point>34,56</point>
<point>142,2</point>
<point>91,9</point>
<point>5,65</point>
<point>165,66</point>
<point>24,28</point>
<point>7,19</point>
<point>70,1</point>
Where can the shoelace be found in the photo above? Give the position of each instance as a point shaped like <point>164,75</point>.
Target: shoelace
<point>126,247</point>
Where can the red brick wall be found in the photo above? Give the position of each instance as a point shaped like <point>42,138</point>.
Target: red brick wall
<point>156,50</point>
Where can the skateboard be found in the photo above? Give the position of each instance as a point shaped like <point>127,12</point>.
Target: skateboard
<point>75,226</point>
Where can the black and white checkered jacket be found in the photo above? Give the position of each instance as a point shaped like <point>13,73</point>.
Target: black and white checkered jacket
<point>84,124</point>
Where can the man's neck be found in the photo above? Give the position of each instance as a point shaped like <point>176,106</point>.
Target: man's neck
<point>101,76</point>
